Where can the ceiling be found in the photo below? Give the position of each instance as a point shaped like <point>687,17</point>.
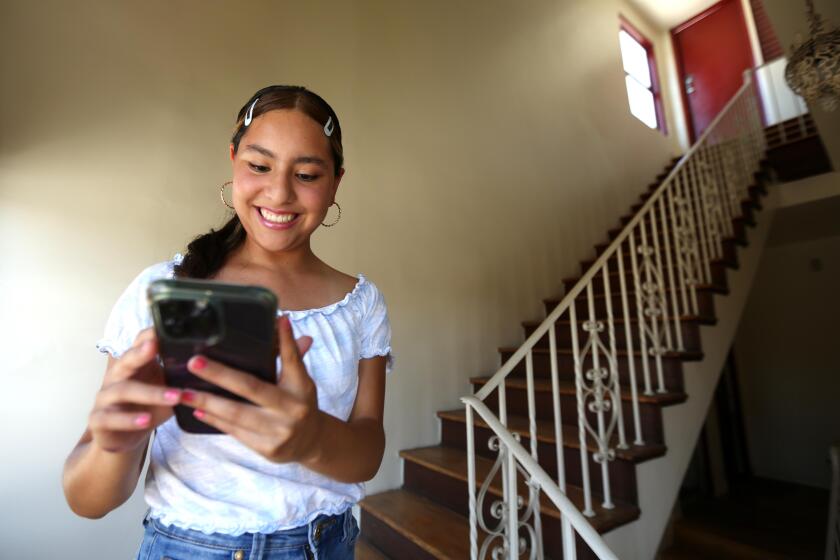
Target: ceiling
<point>670,13</point>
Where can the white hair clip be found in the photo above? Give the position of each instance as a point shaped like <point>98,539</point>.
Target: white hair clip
<point>329,127</point>
<point>249,115</point>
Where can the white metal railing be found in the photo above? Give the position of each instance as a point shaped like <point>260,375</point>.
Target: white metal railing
<point>657,262</point>
<point>832,543</point>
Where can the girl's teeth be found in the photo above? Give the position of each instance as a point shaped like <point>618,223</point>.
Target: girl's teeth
<point>277,218</point>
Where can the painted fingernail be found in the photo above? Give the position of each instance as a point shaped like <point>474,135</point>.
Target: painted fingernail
<point>172,395</point>
<point>188,396</point>
<point>198,363</point>
<point>198,413</point>
<point>142,420</point>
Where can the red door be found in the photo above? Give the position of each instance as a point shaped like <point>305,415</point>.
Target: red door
<point>712,50</point>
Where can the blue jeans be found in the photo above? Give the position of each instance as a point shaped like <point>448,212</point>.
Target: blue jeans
<point>328,537</point>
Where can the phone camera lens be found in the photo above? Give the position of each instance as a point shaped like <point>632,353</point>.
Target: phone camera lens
<point>186,319</point>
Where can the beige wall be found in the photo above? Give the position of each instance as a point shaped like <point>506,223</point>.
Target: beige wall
<point>791,23</point>
<point>489,146</point>
<point>786,347</point>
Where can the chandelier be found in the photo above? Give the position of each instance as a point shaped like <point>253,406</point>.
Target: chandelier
<point>813,70</point>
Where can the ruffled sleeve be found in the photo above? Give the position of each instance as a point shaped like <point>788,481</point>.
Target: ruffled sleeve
<point>376,327</point>
<point>130,313</point>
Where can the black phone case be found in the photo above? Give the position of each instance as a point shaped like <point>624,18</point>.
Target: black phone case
<point>246,337</point>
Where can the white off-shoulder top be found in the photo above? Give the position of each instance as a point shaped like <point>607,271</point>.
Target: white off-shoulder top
<point>213,483</point>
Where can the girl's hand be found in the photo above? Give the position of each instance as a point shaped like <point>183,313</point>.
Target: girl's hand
<point>283,424</point>
<point>133,399</point>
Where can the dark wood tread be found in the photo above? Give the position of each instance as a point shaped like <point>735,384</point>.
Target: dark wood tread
<point>437,530</point>
<point>452,462</point>
<point>366,551</point>
<point>685,355</point>
<point>543,385</point>
<point>571,439</point>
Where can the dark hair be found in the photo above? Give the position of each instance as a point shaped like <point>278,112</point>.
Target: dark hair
<point>207,253</point>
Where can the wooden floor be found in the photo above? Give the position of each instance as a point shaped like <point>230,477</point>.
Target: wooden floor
<point>760,518</point>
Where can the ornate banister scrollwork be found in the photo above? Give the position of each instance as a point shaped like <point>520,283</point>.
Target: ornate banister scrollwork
<point>496,541</point>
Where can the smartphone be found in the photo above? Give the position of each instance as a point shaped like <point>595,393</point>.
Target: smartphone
<point>229,323</point>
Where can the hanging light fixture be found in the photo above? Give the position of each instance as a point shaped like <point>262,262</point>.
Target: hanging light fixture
<point>813,70</point>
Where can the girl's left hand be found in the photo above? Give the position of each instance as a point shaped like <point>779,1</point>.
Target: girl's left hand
<point>284,423</point>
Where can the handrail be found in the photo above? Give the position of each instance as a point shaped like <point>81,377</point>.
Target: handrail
<point>672,242</point>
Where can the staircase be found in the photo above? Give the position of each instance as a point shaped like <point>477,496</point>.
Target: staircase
<point>584,398</point>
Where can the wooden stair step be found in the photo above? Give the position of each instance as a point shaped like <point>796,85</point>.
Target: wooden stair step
<point>453,463</point>
<point>571,438</point>
<point>439,532</point>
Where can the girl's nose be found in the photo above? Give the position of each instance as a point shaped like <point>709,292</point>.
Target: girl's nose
<point>280,189</point>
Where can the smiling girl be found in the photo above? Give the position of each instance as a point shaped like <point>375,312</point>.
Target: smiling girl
<point>282,479</point>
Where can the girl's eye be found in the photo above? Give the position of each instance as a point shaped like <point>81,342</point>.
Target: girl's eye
<point>258,168</point>
<point>306,177</point>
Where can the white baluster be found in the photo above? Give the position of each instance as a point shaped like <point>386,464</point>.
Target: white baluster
<point>697,214</point>
<point>660,274</point>
<point>612,360</point>
<point>581,410</point>
<point>512,500</point>
<point>653,305</point>
<point>631,358</point>
<point>471,482</point>
<point>534,492</point>
<point>671,193</point>
<point>558,418</point>
<point>672,287</point>
<point>593,327</point>
<point>637,284</point>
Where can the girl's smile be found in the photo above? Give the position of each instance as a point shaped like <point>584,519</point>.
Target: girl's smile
<point>273,219</point>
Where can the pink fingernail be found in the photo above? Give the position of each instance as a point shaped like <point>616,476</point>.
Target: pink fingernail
<point>198,413</point>
<point>198,363</point>
<point>172,395</point>
<point>188,396</point>
<point>142,420</point>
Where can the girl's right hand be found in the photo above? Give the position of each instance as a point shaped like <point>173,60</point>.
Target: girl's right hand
<point>133,399</point>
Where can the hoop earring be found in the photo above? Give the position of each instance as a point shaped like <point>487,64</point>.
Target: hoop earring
<point>337,219</point>
<point>222,194</point>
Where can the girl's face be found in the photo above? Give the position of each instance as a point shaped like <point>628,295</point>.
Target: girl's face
<point>283,179</point>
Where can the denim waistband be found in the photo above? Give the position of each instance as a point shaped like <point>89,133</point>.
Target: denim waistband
<point>320,528</point>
